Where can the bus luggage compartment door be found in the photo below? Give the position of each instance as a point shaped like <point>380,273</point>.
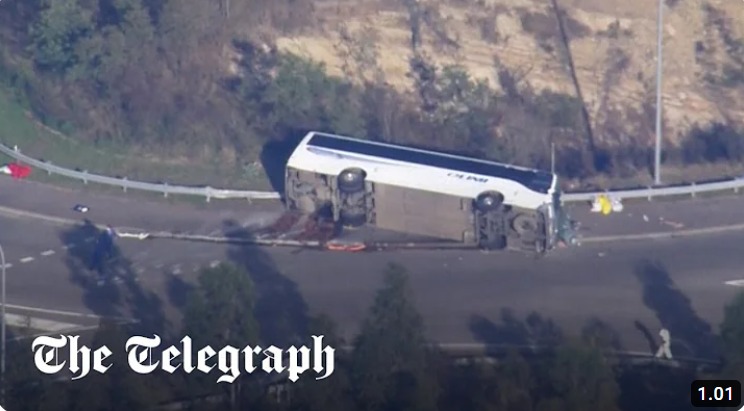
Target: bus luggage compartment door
<point>421,212</point>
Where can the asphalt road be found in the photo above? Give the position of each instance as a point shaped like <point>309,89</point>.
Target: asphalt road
<point>634,287</point>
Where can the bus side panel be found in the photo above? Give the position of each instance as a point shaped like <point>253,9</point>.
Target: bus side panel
<point>422,213</point>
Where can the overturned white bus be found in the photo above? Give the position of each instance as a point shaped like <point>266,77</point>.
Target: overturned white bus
<point>427,193</point>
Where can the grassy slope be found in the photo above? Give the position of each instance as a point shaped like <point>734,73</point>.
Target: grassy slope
<point>19,128</point>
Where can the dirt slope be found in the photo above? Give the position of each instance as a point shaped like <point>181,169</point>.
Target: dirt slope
<point>612,45</point>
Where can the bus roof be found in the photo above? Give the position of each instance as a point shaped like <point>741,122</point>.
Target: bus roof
<point>536,180</point>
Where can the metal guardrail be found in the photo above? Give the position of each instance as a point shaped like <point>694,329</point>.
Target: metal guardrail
<point>687,189</point>
<point>692,189</point>
<point>166,189</point>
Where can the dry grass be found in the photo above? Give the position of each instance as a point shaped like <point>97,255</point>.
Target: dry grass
<point>518,33</point>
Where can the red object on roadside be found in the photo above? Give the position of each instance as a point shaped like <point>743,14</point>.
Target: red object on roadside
<point>19,171</point>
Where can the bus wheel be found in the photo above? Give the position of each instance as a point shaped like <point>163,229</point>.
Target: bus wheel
<point>524,223</point>
<point>351,180</point>
<point>495,242</point>
<point>352,219</point>
<point>489,201</point>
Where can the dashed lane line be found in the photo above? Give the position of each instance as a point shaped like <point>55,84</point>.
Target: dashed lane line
<point>175,269</point>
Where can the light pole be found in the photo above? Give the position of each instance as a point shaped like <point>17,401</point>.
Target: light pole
<point>2,336</point>
<point>657,154</point>
<point>552,157</point>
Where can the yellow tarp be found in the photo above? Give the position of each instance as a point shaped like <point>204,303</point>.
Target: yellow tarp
<point>606,205</point>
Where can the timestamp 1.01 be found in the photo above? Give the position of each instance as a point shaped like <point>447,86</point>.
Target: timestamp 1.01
<point>715,393</point>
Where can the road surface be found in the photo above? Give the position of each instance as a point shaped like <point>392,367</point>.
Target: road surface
<point>465,296</point>
<point>636,287</point>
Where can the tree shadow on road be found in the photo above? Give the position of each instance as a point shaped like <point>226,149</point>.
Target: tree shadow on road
<point>537,331</point>
<point>534,330</point>
<point>280,308</point>
<point>121,294</point>
<point>691,335</point>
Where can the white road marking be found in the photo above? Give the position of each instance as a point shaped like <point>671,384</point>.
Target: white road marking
<point>24,321</point>
<point>214,263</point>
<point>47,253</point>
<point>176,269</point>
<point>7,265</point>
<point>54,312</point>
<point>735,283</point>
<point>68,246</point>
<point>27,259</point>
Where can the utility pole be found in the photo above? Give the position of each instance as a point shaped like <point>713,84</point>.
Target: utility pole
<point>659,73</point>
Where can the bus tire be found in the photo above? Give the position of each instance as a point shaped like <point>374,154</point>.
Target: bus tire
<point>352,219</point>
<point>497,242</point>
<point>524,223</point>
<point>351,180</point>
<point>489,201</point>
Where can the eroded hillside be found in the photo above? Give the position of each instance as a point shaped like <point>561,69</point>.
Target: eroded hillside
<point>612,47</point>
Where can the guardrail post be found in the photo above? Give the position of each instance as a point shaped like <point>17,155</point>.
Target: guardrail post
<point>165,190</point>
<point>124,186</point>
<point>49,172</point>
<point>85,177</point>
<point>650,193</point>
<point>208,191</point>
<point>692,191</point>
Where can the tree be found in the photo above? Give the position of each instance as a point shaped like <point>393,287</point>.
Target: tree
<point>578,378</point>
<point>391,366</point>
<point>220,313</point>
<point>220,310</point>
<point>119,388</point>
<point>330,394</point>
<point>303,96</point>
<point>506,386</point>
<point>26,389</point>
<point>732,336</point>
<point>61,25</point>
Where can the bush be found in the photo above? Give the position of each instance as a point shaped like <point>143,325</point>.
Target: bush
<point>717,142</point>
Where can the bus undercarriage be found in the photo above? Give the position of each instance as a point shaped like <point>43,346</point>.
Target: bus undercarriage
<point>486,222</point>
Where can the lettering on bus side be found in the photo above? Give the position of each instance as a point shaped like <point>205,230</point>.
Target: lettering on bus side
<point>467,177</point>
